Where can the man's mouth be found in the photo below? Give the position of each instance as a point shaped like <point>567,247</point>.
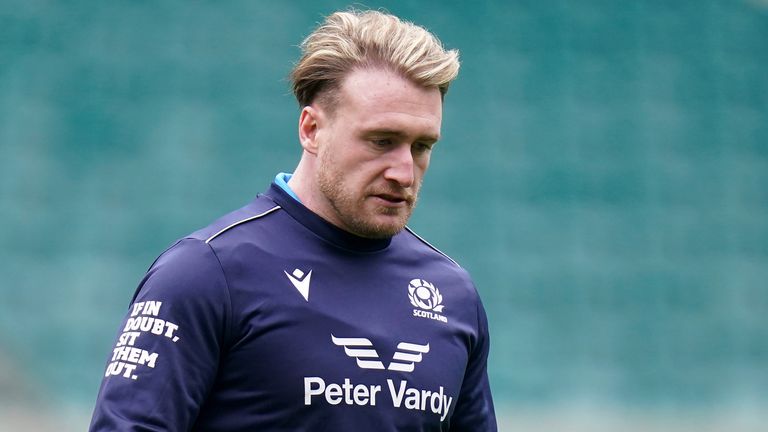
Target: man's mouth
<point>394,199</point>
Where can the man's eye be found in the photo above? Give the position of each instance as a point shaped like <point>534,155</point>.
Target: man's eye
<point>422,147</point>
<point>383,142</point>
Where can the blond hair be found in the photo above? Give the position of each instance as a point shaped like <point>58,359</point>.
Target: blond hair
<point>353,39</point>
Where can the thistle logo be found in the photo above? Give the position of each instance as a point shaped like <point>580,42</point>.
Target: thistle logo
<point>361,349</point>
<point>426,297</point>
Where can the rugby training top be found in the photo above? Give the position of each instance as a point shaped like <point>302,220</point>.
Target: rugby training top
<point>272,319</point>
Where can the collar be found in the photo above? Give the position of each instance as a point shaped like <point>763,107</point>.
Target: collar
<point>321,227</point>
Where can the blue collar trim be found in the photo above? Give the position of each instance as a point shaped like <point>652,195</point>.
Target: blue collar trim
<point>281,180</point>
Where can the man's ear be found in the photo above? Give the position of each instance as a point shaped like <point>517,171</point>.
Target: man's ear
<point>310,121</point>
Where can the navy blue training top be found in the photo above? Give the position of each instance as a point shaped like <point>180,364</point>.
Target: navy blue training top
<point>272,319</point>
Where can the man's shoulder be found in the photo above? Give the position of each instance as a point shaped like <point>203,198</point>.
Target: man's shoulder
<point>422,246</point>
<point>258,209</point>
<point>198,254</point>
<point>429,252</point>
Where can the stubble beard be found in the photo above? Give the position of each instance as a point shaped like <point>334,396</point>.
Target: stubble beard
<point>351,209</point>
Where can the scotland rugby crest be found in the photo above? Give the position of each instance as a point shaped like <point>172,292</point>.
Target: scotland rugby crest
<point>426,297</point>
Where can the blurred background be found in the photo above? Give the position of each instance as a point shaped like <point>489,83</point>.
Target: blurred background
<point>603,175</point>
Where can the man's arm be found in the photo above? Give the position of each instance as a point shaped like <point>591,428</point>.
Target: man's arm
<point>474,409</point>
<point>167,351</point>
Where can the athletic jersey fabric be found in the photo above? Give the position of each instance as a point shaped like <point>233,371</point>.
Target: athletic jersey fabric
<point>273,319</point>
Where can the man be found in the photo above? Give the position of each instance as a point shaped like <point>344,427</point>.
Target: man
<point>314,308</point>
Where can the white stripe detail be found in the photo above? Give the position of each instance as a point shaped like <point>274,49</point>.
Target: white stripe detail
<point>241,222</point>
<point>430,245</point>
<point>412,357</point>
<point>370,364</point>
<point>407,357</point>
<point>358,352</point>
<point>401,367</point>
<point>351,341</point>
<point>413,347</point>
<point>362,348</point>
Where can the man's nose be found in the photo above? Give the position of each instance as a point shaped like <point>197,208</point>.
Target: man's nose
<point>400,167</point>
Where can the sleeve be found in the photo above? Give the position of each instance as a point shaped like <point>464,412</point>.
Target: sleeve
<point>167,351</point>
<point>474,407</point>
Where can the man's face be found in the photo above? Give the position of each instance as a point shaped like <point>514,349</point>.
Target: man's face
<point>373,151</point>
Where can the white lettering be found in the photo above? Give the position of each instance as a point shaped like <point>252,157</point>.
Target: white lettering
<point>412,398</point>
<point>436,398</point>
<point>153,325</point>
<point>447,405</point>
<point>120,353</point>
<point>347,386</point>
<point>333,394</point>
<point>134,354</point>
<point>146,308</point>
<point>116,368</point>
<point>171,327</point>
<point>424,396</point>
<point>158,326</point>
<point>125,356</point>
<point>348,393</point>
<point>148,359</point>
<point>129,368</point>
<point>152,308</point>
<point>309,391</point>
<point>128,338</point>
<point>397,397</point>
<point>360,394</point>
<point>112,369</point>
<point>374,389</point>
<point>136,308</point>
<point>431,315</point>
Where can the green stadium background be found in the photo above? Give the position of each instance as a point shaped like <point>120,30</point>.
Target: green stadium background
<point>603,175</point>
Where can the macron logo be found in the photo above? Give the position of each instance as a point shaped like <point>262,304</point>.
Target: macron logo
<point>300,281</point>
